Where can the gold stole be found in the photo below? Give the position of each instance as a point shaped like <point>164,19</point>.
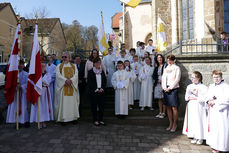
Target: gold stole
<point>68,73</point>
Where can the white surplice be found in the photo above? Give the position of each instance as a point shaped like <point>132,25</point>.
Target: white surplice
<point>218,117</point>
<point>137,85</point>
<point>145,77</point>
<point>109,62</point>
<point>12,108</point>
<point>195,120</point>
<point>132,77</point>
<point>45,103</point>
<point>66,107</point>
<point>51,69</point>
<point>120,82</point>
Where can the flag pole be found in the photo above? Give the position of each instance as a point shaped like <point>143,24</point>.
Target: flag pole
<point>123,22</point>
<point>38,109</point>
<point>17,118</point>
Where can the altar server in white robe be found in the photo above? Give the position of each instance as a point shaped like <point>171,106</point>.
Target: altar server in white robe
<point>67,93</point>
<point>145,77</point>
<point>109,62</point>
<point>136,66</point>
<point>51,69</point>
<point>132,77</point>
<point>218,114</point>
<point>45,101</point>
<point>120,82</point>
<point>195,120</point>
<point>132,54</point>
<point>12,108</point>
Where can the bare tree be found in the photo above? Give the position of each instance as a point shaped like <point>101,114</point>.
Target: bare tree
<point>42,12</point>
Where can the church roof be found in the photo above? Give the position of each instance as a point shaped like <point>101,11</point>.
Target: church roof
<point>2,5</point>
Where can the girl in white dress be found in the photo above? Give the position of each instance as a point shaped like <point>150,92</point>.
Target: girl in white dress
<point>145,77</point>
<point>120,82</point>
<point>130,89</point>
<point>196,114</point>
<point>218,114</point>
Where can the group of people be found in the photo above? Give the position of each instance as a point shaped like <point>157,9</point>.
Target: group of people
<point>137,75</point>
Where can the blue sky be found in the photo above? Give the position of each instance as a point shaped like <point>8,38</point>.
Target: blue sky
<point>87,12</point>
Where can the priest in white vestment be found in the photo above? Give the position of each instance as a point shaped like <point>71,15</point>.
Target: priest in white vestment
<point>195,120</point>
<point>12,108</point>
<point>218,114</point>
<point>109,62</point>
<point>67,93</point>
<point>45,101</point>
<point>120,82</point>
<point>136,66</point>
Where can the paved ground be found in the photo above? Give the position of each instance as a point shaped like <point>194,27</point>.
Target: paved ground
<point>86,138</point>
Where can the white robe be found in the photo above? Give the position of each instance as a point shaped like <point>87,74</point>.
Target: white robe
<point>150,49</point>
<point>145,77</point>
<point>12,108</point>
<point>137,85</point>
<point>66,107</point>
<point>121,99</point>
<point>52,71</point>
<point>132,77</point>
<point>109,62</point>
<point>45,103</point>
<point>121,59</point>
<point>195,120</point>
<point>218,117</point>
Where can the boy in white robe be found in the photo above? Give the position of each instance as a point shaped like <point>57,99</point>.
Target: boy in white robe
<point>130,89</point>
<point>51,69</point>
<point>145,77</point>
<point>218,114</point>
<point>122,57</point>
<point>132,54</point>
<point>136,66</point>
<point>109,62</point>
<point>196,114</point>
<point>12,108</point>
<point>120,82</point>
<point>45,101</point>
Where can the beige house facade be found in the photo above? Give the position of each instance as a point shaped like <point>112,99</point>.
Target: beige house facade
<point>8,23</point>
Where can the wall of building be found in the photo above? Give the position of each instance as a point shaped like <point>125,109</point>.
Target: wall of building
<point>8,23</point>
<point>138,24</point>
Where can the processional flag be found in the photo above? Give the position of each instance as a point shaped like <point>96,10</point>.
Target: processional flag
<point>34,85</point>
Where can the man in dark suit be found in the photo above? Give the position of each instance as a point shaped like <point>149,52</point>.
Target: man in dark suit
<point>81,81</point>
<point>96,86</point>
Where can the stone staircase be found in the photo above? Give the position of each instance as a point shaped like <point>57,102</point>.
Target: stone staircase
<point>135,117</point>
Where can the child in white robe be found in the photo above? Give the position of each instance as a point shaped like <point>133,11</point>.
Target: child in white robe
<point>45,101</point>
<point>120,82</point>
<point>218,114</point>
<point>12,108</point>
<point>132,77</point>
<point>123,56</point>
<point>145,77</point>
<point>51,69</point>
<point>136,66</point>
<point>196,114</point>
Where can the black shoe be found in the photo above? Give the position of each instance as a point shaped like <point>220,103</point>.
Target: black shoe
<point>27,125</point>
<point>63,123</point>
<point>102,123</point>
<point>96,123</point>
<point>75,122</point>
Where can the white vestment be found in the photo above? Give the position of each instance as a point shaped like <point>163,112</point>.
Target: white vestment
<point>12,108</point>
<point>218,117</point>
<point>150,48</point>
<point>45,103</point>
<point>132,77</point>
<point>109,62</point>
<point>145,77</point>
<point>195,120</point>
<point>120,82</point>
<point>67,97</point>
<point>137,85</point>
<point>51,69</point>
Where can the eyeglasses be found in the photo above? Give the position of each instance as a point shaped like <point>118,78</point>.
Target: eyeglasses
<point>64,56</point>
